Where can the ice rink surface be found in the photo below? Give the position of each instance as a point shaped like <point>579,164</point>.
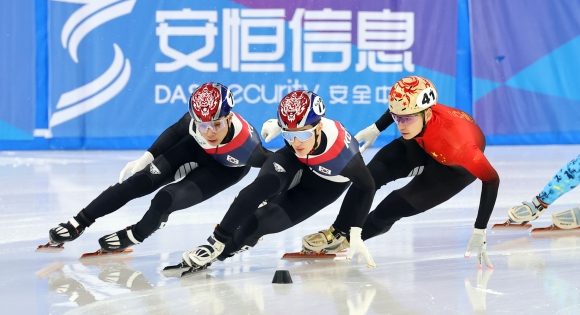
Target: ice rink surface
<point>421,269</point>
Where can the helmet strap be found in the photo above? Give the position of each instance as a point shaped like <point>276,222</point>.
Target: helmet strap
<point>316,144</point>
<point>230,135</point>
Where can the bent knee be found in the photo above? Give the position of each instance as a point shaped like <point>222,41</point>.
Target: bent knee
<point>162,202</point>
<point>141,183</point>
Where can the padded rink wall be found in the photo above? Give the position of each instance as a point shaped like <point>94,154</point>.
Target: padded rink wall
<point>113,74</point>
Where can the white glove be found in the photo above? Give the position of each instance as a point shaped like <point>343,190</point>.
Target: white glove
<point>357,246</point>
<point>477,240</point>
<point>137,165</point>
<point>368,135</point>
<point>270,130</point>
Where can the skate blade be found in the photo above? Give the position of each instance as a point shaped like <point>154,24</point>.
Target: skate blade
<point>48,269</point>
<point>50,248</point>
<point>307,256</point>
<point>194,270</point>
<point>181,265</point>
<point>552,231</point>
<point>106,259</point>
<point>102,253</point>
<point>511,226</point>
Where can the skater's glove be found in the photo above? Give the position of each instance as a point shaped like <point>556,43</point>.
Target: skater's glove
<point>368,135</point>
<point>270,130</point>
<point>478,241</point>
<point>137,165</point>
<point>357,246</point>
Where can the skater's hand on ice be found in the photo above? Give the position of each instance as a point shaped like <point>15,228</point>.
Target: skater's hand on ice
<point>357,246</point>
<point>368,135</point>
<point>135,166</point>
<point>270,130</point>
<point>478,241</point>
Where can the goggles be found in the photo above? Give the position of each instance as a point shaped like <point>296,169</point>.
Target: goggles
<point>215,126</point>
<point>405,120</point>
<point>302,135</point>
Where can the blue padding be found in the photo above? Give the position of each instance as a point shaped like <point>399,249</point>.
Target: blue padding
<point>10,132</point>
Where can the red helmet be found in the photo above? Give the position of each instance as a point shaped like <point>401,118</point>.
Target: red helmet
<point>300,108</point>
<point>210,101</point>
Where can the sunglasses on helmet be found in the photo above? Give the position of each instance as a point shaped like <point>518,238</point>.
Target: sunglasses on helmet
<point>302,135</point>
<point>215,125</point>
<point>405,120</point>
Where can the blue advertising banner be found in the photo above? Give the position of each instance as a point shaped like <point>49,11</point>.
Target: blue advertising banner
<point>121,71</point>
<point>17,71</point>
<point>525,71</point>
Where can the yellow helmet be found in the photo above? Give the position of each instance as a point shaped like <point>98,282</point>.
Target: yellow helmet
<point>411,95</point>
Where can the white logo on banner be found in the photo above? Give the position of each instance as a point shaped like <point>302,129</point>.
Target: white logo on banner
<point>384,39</point>
<point>96,93</point>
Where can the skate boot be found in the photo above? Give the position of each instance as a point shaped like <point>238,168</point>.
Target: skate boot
<point>564,222</point>
<point>66,232</point>
<point>328,241</point>
<point>199,258</point>
<point>322,245</point>
<point>119,241</point>
<point>519,216</point>
<point>204,254</point>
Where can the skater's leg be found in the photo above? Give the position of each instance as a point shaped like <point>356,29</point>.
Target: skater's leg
<point>138,185</point>
<point>437,184</point>
<point>380,221</point>
<point>398,159</point>
<point>286,210</point>
<point>279,173</point>
<point>566,179</point>
<point>267,220</point>
<point>199,185</point>
<point>113,198</point>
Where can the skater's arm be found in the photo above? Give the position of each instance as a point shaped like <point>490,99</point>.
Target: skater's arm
<point>385,121</point>
<point>367,136</point>
<point>477,164</point>
<point>259,156</point>
<point>269,183</point>
<point>364,184</point>
<point>171,136</point>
